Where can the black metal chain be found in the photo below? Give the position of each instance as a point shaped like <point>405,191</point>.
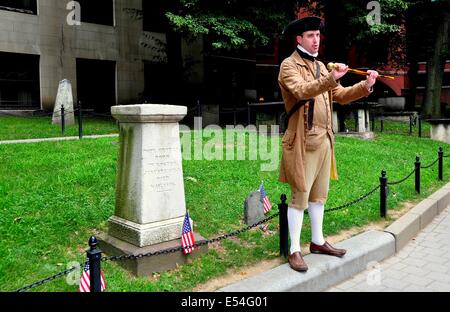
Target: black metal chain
<point>402,180</point>
<point>39,115</point>
<point>225,236</point>
<point>446,155</point>
<point>197,244</point>
<point>360,198</point>
<point>46,280</point>
<point>56,114</point>
<point>426,167</point>
<point>65,113</point>
<point>239,110</point>
<point>97,114</point>
<point>195,108</point>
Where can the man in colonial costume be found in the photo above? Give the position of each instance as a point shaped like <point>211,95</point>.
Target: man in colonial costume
<point>308,160</point>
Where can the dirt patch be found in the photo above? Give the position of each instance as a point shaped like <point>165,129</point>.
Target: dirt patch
<point>233,276</point>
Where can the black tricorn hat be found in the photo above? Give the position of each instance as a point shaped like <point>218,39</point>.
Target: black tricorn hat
<point>297,27</point>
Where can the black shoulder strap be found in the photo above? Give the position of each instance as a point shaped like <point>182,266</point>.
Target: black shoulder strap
<point>302,102</point>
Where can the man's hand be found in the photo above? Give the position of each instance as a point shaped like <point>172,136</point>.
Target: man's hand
<point>371,79</point>
<point>339,71</point>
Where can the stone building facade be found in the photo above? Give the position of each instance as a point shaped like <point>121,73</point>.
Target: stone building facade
<point>107,56</point>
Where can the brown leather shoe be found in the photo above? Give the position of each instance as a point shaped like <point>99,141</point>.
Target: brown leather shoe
<point>297,263</point>
<point>326,249</point>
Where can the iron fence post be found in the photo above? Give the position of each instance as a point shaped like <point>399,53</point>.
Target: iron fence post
<point>410,123</point>
<point>199,109</point>
<point>440,163</point>
<point>63,121</point>
<point>417,170</point>
<point>80,121</point>
<point>94,256</point>
<point>373,122</point>
<point>283,208</point>
<point>419,119</point>
<point>383,194</point>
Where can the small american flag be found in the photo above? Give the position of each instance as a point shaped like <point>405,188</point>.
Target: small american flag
<point>187,237</point>
<point>85,282</point>
<point>264,199</point>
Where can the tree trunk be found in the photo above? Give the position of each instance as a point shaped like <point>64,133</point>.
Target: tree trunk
<point>435,67</point>
<point>412,89</point>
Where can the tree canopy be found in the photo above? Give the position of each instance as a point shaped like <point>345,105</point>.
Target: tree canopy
<point>231,24</point>
<point>385,32</point>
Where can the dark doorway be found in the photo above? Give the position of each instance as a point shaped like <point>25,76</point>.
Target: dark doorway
<point>19,81</point>
<point>96,84</point>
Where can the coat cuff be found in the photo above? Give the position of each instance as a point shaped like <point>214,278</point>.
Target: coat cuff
<point>364,89</point>
<point>330,82</point>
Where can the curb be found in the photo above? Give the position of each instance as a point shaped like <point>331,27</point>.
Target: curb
<point>410,224</point>
<point>325,271</point>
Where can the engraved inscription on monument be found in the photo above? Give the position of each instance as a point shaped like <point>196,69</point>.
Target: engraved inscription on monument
<point>161,168</point>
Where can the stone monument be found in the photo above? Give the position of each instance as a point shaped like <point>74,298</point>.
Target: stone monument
<point>253,208</point>
<point>150,198</point>
<point>64,98</point>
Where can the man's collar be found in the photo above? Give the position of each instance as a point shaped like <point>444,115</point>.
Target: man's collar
<point>307,52</point>
<point>306,56</point>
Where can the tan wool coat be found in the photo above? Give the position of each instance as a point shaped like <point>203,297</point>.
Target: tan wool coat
<point>298,82</point>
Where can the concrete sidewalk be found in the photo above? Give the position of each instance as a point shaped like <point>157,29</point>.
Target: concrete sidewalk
<point>422,265</point>
<point>71,138</point>
<point>370,249</point>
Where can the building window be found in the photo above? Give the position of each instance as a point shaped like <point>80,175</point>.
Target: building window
<point>20,6</point>
<point>154,15</point>
<point>97,12</point>
<point>19,81</point>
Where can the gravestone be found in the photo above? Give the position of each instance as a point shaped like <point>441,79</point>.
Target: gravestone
<point>440,129</point>
<point>253,208</point>
<point>64,97</point>
<point>150,199</point>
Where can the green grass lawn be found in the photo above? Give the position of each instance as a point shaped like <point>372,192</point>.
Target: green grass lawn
<point>393,127</point>
<point>55,195</point>
<point>15,128</point>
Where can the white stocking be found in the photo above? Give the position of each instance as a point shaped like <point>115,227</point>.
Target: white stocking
<point>316,211</point>
<point>295,222</point>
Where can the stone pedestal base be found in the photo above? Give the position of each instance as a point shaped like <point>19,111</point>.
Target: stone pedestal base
<point>145,234</point>
<point>145,266</point>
